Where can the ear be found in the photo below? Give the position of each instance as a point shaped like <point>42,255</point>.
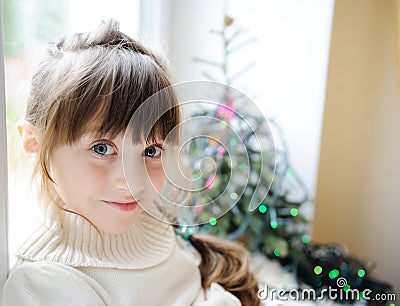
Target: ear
<point>28,134</point>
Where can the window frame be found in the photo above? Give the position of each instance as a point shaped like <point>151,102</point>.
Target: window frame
<point>3,168</point>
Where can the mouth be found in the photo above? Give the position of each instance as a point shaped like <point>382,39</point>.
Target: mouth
<point>128,206</point>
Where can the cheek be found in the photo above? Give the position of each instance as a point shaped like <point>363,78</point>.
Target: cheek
<point>78,177</point>
<point>157,177</point>
<point>95,176</point>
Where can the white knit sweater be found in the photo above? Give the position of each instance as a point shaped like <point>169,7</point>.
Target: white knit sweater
<point>68,262</point>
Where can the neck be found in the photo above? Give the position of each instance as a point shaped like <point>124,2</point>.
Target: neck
<point>70,239</point>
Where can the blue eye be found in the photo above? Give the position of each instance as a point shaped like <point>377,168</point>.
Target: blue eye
<point>153,151</point>
<point>103,149</point>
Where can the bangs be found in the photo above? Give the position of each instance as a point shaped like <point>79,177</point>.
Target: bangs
<point>112,92</point>
<point>146,123</point>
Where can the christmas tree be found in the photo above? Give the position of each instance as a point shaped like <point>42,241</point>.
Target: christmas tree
<point>278,222</point>
<point>269,205</point>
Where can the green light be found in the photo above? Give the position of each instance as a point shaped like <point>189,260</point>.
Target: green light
<point>212,221</point>
<point>242,166</point>
<point>196,176</point>
<point>294,212</point>
<point>333,273</point>
<point>361,295</point>
<point>392,304</point>
<point>276,252</point>
<point>274,224</point>
<point>234,196</point>
<point>290,172</point>
<point>346,288</point>
<point>361,273</point>
<point>318,270</point>
<point>233,142</point>
<point>306,239</point>
<point>262,209</point>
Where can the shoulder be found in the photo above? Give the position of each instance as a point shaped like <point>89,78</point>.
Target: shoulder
<point>48,283</point>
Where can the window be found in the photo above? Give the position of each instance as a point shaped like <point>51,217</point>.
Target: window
<point>28,27</point>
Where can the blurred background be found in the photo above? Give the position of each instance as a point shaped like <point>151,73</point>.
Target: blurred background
<point>326,71</point>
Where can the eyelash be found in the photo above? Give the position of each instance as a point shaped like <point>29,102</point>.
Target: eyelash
<point>99,154</point>
<point>104,156</point>
<point>156,146</point>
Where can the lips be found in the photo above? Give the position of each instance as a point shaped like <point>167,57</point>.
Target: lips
<point>128,206</point>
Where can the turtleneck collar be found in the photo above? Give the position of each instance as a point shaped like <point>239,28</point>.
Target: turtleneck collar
<point>70,239</point>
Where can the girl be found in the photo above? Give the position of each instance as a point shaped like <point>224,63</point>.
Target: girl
<point>97,246</point>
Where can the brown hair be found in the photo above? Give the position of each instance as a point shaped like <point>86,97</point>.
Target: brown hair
<point>228,264</point>
<point>97,81</point>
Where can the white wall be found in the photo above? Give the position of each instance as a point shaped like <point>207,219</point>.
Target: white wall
<point>291,56</point>
<point>86,15</point>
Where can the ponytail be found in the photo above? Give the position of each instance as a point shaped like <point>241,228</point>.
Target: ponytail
<point>226,263</point>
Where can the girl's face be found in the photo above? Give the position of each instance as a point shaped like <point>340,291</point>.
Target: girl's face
<point>90,180</point>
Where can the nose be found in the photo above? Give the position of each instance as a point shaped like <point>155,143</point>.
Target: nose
<point>120,180</point>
